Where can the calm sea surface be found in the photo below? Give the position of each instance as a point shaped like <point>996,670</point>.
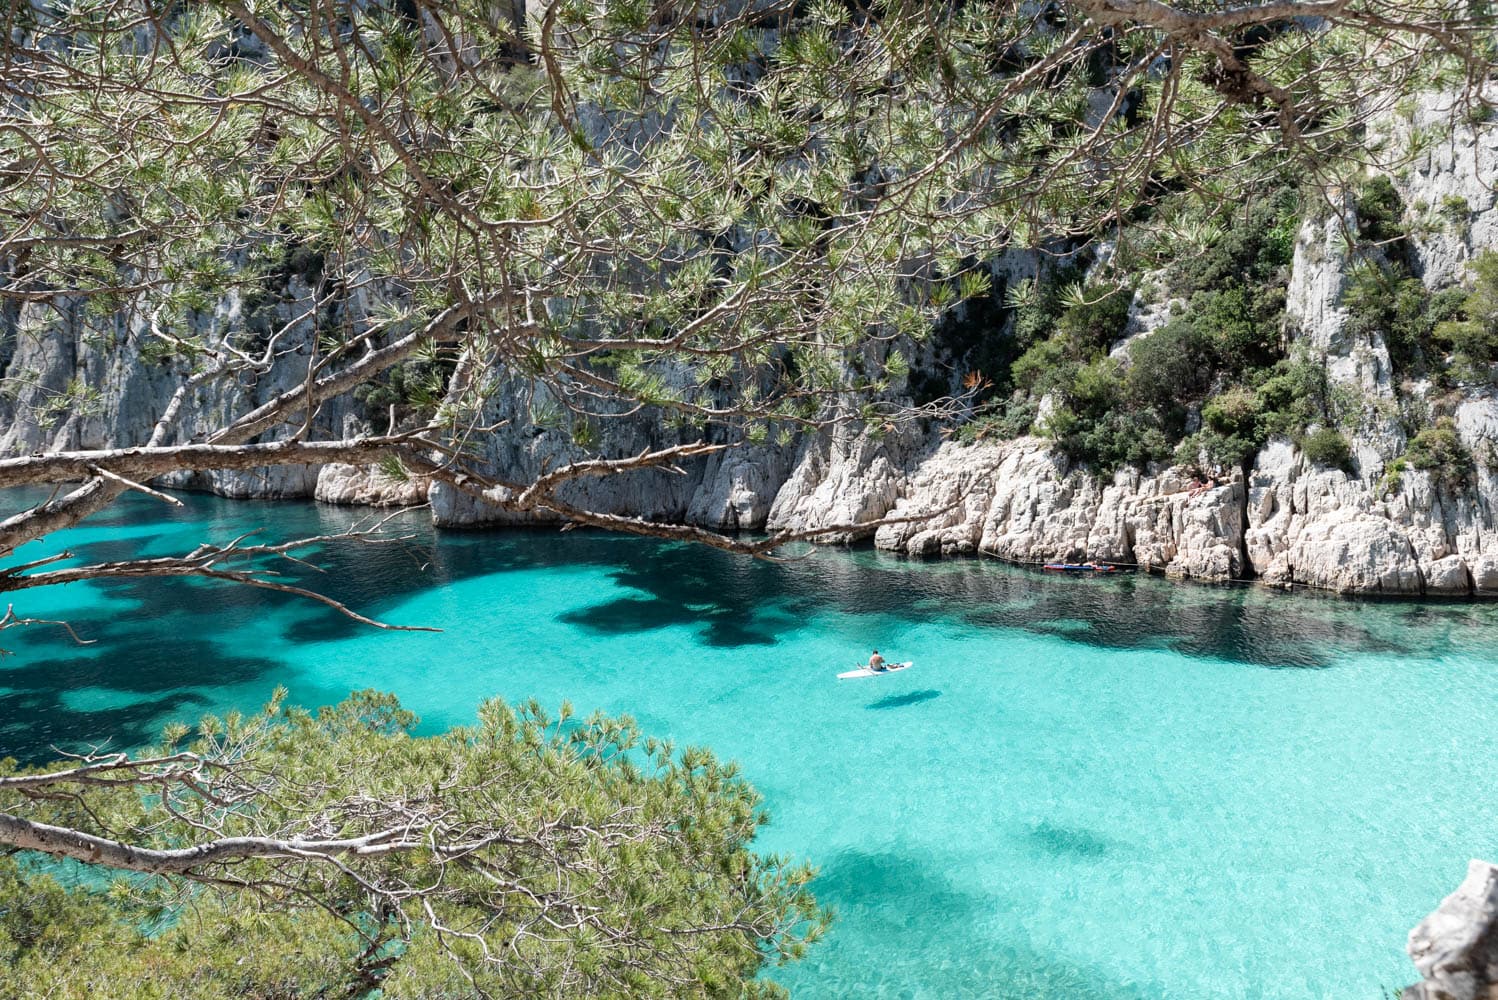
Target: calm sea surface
<point>1087,789</point>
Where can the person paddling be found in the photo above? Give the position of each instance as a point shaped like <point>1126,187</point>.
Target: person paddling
<point>876,663</point>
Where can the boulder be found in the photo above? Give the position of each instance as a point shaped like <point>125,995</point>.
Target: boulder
<point>1456,947</point>
<point>367,486</point>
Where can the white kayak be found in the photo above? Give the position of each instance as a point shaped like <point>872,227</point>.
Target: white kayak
<point>866,672</point>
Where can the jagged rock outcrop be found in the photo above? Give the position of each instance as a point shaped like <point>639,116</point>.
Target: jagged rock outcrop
<point>846,477</point>
<point>76,379</point>
<point>367,486</point>
<point>1020,501</point>
<point>1456,947</point>
<point>1289,523</point>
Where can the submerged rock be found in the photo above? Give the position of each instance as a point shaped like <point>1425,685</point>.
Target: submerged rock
<point>1456,947</point>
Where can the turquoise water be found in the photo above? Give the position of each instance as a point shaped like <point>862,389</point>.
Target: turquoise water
<point>1087,788</point>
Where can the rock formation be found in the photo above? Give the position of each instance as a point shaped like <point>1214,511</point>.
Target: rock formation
<point>1456,947</point>
<point>1283,520</point>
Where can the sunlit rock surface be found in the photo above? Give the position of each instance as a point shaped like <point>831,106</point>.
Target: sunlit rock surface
<point>1456,947</point>
<point>1285,522</point>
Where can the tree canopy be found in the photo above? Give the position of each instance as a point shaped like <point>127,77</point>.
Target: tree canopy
<point>290,854</point>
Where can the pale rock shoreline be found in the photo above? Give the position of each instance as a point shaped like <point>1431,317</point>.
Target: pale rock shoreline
<point>1456,947</point>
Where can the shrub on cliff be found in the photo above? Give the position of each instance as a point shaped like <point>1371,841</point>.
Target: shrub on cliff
<point>1380,210</point>
<point>1439,451</point>
<point>1326,446</point>
<point>1474,337</point>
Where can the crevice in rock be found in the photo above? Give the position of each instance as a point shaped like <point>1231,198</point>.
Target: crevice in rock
<point>1246,569</point>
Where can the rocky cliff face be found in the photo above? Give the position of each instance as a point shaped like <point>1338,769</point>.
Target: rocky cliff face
<point>1284,520</point>
<point>49,351</point>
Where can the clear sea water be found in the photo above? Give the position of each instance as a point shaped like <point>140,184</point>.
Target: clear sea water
<point>1089,789</point>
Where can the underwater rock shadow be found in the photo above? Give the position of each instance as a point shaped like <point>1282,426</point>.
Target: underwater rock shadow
<point>1238,625</point>
<point>1059,841</point>
<point>902,700</point>
<point>930,913</point>
<point>120,727</point>
<point>158,672</point>
<point>720,627</point>
<point>143,666</point>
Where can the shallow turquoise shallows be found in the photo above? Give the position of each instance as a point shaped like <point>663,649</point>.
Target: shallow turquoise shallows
<point>1087,788</point>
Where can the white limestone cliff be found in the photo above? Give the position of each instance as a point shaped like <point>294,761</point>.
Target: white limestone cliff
<point>1285,521</point>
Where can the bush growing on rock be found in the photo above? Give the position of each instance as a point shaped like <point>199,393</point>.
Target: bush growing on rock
<point>1379,209</point>
<point>1253,250</point>
<point>1439,451</point>
<point>1095,318</point>
<point>1474,337</point>
<point>1385,300</point>
<point>1326,446</point>
<point>1208,451</point>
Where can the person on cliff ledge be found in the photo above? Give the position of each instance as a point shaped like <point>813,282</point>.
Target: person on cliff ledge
<point>876,663</point>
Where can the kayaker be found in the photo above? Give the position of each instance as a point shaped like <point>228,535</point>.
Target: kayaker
<point>876,663</point>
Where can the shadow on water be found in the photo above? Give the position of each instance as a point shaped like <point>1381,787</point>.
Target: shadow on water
<point>1076,842</point>
<point>33,724</point>
<point>902,700</point>
<point>931,913</point>
<point>1238,623</point>
<point>736,601</point>
<point>157,636</point>
<point>149,675</point>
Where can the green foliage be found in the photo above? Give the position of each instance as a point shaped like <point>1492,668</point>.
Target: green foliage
<point>1236,411</point>
<point>1172,366</point>
<point>1093,318</point>
<point>1098,423</point>
<point>1254,247</point>
<point>1292,394</point>
<point>1385,300</point>
<point>1393,477</point>
<point>1225,340</point>
<point>76,943</point>
<point>50,407</point>
<point>1474,337</point>
<point>648,843</point>
<point>1420,327</point>
<point>1456,209</point>
<point>1439,451</point>
<point>1001,420</point>
<point>1326,446</point>
<point>415,388</point>
<point>1379,210</point>
<point>1037,305</point>
<point>1209,451</point>
<point>1043,367</point>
